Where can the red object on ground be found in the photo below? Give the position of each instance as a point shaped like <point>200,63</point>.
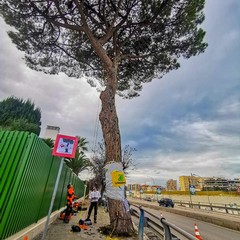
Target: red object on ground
<point>197,234</point>
<point>83,226</point>
<point>62,216</point>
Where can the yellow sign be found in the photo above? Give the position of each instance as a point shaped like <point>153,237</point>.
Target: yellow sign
<point>109,238</point>
<point>118,179</point>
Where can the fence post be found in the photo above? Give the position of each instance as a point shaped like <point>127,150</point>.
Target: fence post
<point>141,224</point>
<point>167,231</point>
<point>211,207</point>
<point>226,208</point>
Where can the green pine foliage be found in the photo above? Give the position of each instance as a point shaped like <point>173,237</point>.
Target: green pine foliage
<point>141,39</point>
<point>19,114</point>
<point>117,45</point>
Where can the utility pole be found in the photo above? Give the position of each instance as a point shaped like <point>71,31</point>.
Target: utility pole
<point>205,188</point>
<point>189,183</point>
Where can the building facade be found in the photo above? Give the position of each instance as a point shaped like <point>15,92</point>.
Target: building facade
<point>209,183</point>
<point>134,187</point>
<point>172,185</point>
<point>51,132</point>
<point>186,181</point>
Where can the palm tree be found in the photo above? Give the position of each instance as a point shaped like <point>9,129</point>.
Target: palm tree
<point>82,144</point>
<point>49,142</point>
<point>80,162</point>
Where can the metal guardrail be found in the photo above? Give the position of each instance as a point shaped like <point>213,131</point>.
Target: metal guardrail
<point>168,236</point>
<point>227,209</point>
<point>159,225</point>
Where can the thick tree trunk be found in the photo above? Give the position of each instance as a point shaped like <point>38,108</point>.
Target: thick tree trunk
<point>109,122</point>
<point>120,218</point>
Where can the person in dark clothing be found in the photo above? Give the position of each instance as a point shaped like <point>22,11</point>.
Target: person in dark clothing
<point>94,197</point>
<point>70,198</point>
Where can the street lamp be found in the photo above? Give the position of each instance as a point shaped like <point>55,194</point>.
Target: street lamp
<point>152,184</point>
<point>192,174</point>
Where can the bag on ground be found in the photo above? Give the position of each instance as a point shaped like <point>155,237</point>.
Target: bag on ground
<point>76,228</point>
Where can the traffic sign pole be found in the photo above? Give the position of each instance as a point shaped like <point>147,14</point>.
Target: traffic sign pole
<point>53,198</point>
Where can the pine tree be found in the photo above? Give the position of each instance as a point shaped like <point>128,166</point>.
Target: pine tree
<point>129,42</point>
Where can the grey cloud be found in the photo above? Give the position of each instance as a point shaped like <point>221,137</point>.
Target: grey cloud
<point>66,102</point>
<point>188,121</point>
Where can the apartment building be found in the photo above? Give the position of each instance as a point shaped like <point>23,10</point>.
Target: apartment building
<point>134,187</point>
<point>172,185</point>
<point>208,183</point>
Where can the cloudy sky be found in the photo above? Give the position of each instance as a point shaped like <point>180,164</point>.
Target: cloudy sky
<point>187,122</point>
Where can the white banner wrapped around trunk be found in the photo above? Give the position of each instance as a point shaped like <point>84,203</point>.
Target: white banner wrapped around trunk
<point>113,191</point>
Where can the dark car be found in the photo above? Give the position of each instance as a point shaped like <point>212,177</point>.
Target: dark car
<point>148,199</point>
<point>166,202</point>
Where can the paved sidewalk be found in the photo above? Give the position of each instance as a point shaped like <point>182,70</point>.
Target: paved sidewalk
<point>62,231</point>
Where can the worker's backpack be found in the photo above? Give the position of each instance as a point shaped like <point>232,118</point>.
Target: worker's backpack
<point>76,228</point>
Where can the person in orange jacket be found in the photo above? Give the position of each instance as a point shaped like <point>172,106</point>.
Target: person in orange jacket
<point>70,198</point>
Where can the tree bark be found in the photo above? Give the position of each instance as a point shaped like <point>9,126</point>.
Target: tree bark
<point>120,218</point>
<point>109,120</point>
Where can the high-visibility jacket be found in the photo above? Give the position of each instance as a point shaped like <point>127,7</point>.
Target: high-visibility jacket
<point>70,195</point>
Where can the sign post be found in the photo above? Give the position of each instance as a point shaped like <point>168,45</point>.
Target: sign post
<point>65,146</point>
<point>141,192</point>
<point>130,193</point>
<point>192,190</point>
<point>158,192</point>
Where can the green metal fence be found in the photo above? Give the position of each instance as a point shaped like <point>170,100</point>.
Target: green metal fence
<point>28,172</point>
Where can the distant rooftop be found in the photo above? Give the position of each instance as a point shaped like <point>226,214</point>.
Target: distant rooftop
<point>53,127</point>
<point>51,132</point>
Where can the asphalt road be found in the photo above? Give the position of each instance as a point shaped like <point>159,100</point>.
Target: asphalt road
<point>207,231</point>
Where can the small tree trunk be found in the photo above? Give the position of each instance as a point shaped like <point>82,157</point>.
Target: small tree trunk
<point>120,218</point>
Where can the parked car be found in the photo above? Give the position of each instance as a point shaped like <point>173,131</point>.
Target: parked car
<point>148,199</point>
<point>166,202</point>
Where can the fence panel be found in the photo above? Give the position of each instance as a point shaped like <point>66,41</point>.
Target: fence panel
<point>28,173</point>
